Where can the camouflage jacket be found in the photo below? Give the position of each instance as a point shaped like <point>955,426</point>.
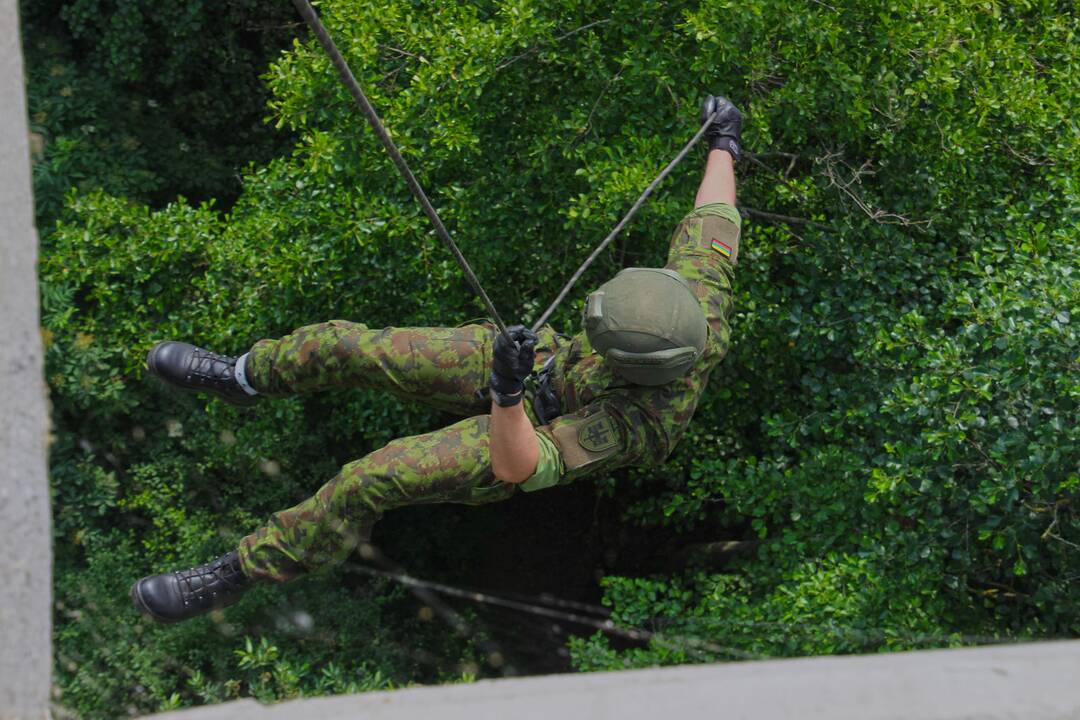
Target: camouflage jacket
<point>607,422</point>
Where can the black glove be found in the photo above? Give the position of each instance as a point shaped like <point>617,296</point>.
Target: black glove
<point>726,127</point>
<point>511,363</point>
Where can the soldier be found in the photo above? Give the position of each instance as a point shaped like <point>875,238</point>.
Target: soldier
<point>621,392</point>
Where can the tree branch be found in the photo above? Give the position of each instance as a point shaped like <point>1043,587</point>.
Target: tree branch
<point>537,48</point>
<point>830,162</point>
<point>788,219</point>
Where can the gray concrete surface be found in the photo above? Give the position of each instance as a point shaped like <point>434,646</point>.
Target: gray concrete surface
<point>25,535</point>
<point>1037,681</point>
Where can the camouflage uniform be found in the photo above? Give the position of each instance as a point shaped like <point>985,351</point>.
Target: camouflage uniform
<point>606,422</point>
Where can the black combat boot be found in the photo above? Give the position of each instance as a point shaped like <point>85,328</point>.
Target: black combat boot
<point>183,594</point>
<point>192,368</point>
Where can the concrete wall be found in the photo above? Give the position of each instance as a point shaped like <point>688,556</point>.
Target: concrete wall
<point>25,556</point>
<point>1025,682</point>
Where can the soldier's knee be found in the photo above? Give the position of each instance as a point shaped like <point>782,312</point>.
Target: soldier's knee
<point>361,484</point>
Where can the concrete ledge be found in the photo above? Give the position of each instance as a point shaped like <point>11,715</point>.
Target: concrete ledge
<point>25,532</point>
<point>1036,681</point>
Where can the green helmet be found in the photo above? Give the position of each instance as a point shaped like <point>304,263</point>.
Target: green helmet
<point>647,325</point>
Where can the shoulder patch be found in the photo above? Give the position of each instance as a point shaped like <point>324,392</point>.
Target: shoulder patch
<point>585,442</point>
<point>721,236</point>
<point>598,433</point>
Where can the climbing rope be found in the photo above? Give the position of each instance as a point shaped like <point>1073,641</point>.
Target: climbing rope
<point>308,13</point>
<point>622,223</point>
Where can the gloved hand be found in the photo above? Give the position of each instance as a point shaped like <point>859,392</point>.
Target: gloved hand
<point>511,363</point>
<point>726,127</point>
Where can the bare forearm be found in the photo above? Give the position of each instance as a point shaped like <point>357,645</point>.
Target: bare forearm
<point>718,184</point>
<point>515,451</point>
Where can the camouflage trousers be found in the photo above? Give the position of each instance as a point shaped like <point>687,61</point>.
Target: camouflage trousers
<point>441,367</point>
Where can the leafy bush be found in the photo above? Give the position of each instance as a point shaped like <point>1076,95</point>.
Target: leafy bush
<point>896,419</point>
<point>900,397</point>
<point>123,97</point>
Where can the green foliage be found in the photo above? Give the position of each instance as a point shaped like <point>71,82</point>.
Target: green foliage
<point>840,604</point>
<point>318,636</point>
<point>903,392</point>
<point>896,419</point>
<point>122,98</point>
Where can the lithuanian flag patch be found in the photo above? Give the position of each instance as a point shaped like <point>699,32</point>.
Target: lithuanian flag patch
<point>721,247</point>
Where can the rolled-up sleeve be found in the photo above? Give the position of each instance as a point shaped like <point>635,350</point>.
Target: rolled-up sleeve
<point>705,249</point>
<point>549,468</point>
<point>605,435</point>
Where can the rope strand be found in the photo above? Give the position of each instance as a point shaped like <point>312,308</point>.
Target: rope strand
<point>312,19</point>
<point>622,223</point>
<point>606,626</point>
<point>308,13</point>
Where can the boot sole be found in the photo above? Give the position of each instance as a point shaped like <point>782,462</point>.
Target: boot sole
<point>151,365</point>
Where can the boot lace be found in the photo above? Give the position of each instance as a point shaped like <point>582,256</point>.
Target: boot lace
<point>211,369</point>
<point>218,578</point>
